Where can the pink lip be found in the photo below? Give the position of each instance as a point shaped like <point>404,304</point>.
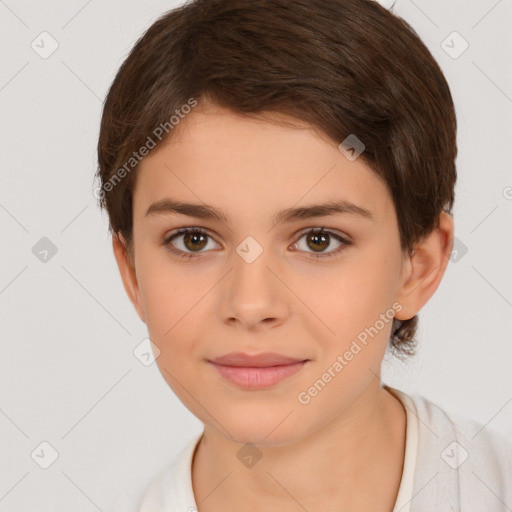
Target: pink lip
<point>264,359</point>
<point>257,372</point>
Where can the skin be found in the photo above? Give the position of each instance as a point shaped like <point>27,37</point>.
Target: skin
<point>346,446</point>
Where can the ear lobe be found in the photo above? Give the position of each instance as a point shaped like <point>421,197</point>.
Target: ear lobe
<point>425,268</point>
<point>128,273</point>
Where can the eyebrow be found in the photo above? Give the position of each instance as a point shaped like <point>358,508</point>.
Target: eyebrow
<point>205,211</point>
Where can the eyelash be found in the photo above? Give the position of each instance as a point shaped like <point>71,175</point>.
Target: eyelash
<point>167,242</point>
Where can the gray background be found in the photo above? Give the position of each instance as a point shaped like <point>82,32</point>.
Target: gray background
<point>68,374</point>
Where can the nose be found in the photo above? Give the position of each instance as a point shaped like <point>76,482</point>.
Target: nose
<point>253,295</point>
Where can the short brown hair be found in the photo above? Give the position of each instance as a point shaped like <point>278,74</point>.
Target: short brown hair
<point>344,66</point>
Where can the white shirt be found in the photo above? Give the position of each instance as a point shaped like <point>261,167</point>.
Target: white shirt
<point>451,464</point>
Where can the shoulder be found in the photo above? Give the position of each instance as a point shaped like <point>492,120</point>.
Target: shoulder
<point>476,436</point>
<point>462,464</point>
<point>171,489</point>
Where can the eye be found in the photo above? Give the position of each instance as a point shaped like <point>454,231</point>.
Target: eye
<point>189,241</point>
<point>320,239</point>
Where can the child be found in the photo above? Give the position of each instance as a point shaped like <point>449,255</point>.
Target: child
<point>279,178</point>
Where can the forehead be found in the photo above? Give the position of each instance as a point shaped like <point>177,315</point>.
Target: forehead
<point>249,165</point>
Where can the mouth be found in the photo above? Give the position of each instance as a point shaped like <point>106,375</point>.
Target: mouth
<point>257,372</point>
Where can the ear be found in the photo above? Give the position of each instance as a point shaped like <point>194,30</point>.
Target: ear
<point>424,270</point>
<point>128,274</point>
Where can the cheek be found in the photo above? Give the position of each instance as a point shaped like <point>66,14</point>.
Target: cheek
<point>173,306</point>
<point>171,296</point>
<point>356,303</point>
<point>354,296</point>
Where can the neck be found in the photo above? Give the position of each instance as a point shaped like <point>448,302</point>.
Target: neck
<point>356,460</point>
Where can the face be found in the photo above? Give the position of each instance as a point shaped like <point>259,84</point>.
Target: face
<point>319,286</point>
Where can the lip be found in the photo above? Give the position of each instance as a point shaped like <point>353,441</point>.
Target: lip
<point>265,359</point>
<point>257,371</point>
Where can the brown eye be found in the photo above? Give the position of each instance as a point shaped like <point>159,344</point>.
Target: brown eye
<point>188,242</point>
<point>194,240</point>
<point>319,240</point>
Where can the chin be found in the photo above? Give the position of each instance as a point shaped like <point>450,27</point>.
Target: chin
<point>261,430</point>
